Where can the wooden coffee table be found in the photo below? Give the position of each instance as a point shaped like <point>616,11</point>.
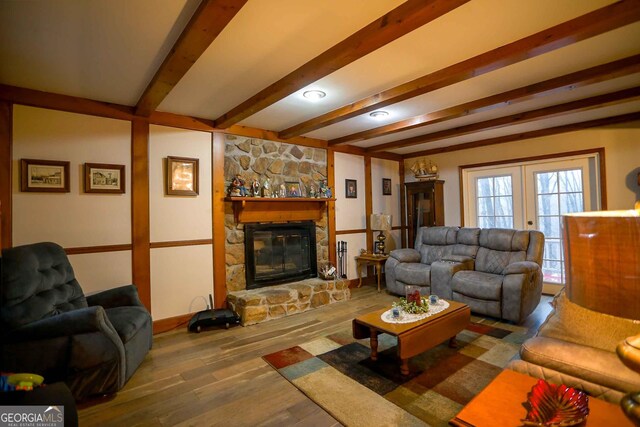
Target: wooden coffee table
<point>416,337</point>
<point>500,405</point>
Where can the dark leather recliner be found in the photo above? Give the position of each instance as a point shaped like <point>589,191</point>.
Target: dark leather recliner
<point>93,343</point>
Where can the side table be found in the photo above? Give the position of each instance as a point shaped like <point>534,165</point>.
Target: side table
<point>369,259</point>
<point>500,405</point>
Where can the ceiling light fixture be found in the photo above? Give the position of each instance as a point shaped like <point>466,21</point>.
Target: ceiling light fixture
<point>379,115</point>
<point>314,95</point>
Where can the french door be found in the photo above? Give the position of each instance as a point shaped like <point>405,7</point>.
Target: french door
<point>533,196</point>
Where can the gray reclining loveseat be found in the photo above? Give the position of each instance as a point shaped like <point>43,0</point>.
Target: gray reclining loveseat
<point>496,272</point>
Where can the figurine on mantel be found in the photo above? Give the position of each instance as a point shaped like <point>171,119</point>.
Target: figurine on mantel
<point>255,188</point>
<point>237,188</point>
<point>266,188</point>
<point>325,191</point>
<point>283,191</point>
<point>312,191</point>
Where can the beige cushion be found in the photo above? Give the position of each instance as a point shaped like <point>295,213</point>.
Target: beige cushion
<point>576,324</point>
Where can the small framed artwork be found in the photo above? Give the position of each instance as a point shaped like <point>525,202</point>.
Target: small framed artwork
<point>182,176</point>
<point>48,176</point>
<point>351,188</point>
<point>103,178</point>
<point>386,186</point>
<point>293,189</point>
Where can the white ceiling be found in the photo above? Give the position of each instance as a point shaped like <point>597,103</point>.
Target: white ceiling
<point>109,50</point>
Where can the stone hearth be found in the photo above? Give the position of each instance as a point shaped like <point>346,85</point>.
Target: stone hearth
<point>260,305</point>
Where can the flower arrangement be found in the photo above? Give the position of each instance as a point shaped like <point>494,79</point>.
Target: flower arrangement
<point>413,304</point>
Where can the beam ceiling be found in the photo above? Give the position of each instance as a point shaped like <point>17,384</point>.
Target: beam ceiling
<point>567,82</point>
<point>207,22</point>
<point>398,22</point>
<point>588,25</point>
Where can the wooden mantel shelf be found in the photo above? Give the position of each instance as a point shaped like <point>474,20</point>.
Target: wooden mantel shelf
<point>265,209</point>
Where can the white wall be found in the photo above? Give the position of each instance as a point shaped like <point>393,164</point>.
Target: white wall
<point>179,275</point>
<point>622,161</point>
<point>75,219</point>
<point>381,168</point>
<point>350,213</point>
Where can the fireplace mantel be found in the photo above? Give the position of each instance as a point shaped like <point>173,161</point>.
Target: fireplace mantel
<point>264,209</point>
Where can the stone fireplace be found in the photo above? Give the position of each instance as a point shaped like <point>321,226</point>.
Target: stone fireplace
<point>282,163</point>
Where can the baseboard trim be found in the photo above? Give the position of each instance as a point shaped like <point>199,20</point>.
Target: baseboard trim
<point>170,323</point>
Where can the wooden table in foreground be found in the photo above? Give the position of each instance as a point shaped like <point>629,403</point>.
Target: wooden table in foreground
<point>366,259</point>
<point>500,405</point>
<point>416,337</point>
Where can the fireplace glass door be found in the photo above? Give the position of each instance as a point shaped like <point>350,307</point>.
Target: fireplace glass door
<point>279,253</point>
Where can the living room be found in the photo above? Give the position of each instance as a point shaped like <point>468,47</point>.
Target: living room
<point>130,89</point>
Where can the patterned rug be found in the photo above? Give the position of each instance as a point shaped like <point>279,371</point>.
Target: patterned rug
<point>337,373</point>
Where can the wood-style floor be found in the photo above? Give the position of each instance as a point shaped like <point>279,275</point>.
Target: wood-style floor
<point>218,377</point>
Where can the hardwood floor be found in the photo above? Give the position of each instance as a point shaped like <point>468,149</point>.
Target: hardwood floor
<point>218,377</point>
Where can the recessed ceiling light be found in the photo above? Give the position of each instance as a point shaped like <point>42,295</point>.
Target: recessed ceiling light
<point>314,95</point>
<point>379,115</point>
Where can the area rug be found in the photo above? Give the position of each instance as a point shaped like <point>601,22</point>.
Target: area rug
<point>336,372</point>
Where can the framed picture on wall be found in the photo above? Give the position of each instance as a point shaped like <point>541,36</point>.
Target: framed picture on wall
<point>182,176</point>
<point>350,188</point>
<point>386,186</point>
<point>46,176</point>
<point>103,178</point>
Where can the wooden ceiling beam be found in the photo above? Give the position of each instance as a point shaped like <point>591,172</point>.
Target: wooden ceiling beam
<point>607,121</point>
<point>208,21</point>
<point>352,149</point>
<point>580,105</point>
<point>599,21</point>
<point>567,82</point>
<point>405,18</point>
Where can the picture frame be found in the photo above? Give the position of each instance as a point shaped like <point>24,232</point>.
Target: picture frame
<point>104,178</point>
<point>182,176</point>
<point>386,186</point>
<point>44,176</point>
<point>350,188</point>
<point>293,189</point>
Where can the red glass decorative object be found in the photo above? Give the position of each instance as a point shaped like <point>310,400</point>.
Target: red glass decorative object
<point>551,405</point>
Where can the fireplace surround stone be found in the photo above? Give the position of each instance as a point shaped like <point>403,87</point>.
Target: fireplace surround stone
<point>255,158</point>
<point>264,304</point>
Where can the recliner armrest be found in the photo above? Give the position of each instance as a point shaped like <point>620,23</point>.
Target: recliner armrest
<point>81,321</point>
<point>521,267</point>
<point>458,258</point>
<point>117,297</point>
<point>405,255</point>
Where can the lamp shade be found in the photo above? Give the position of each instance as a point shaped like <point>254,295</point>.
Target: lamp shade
<point>380,222</point>
<point>602,261</point>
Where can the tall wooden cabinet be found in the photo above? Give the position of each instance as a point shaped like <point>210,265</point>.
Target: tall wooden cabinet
<point>425,206</point>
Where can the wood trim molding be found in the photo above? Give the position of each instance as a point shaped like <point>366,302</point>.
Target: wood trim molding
<point>602,170</point>
<point>368,202</point>
<point>331,207</point>
<point>170,323</point>
<point>6,175</point>
<point>180,243</point>
<point>354,231</point>
<point>588,25</point>
<point>98,249</point>
<point>217,220</point>
<point>555,85</point>
<point>397,227</point>
<point>71,104</point>
<point>403,208</point>
<point>403,19</point>
<point>140,229</point>
<point>572,107</point>
<point>207,22</point>
<point>528,135</point>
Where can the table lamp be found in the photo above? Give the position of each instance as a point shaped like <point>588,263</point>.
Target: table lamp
<point>380,222</point>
